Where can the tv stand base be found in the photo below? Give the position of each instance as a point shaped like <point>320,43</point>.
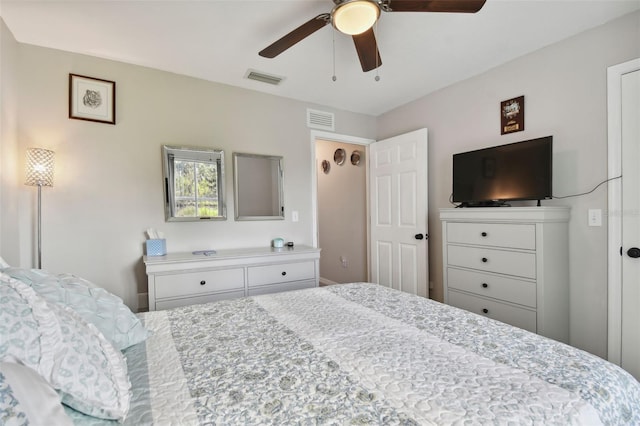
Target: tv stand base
<point>485,204</point>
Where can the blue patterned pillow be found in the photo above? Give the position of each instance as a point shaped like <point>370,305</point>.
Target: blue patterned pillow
<point>96,305</point>
<point>69,353</point>
<point>11,411</point>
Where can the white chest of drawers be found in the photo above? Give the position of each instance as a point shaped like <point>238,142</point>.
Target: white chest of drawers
<point>179,279</point>
<point>510,264</point>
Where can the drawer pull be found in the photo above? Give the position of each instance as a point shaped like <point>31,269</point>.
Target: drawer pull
<point>484,234</point>
<point>485,260</point>
<point>485,311</point>
<point>284,273</point>
<point>485,285</point>
<point>203,282</point>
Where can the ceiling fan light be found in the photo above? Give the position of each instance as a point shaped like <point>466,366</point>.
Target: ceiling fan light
<point>355,17</point>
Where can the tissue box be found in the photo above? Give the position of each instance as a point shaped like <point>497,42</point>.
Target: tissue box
<point>157,247</point>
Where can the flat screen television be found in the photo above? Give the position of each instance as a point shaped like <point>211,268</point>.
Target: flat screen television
<point>493,176</point>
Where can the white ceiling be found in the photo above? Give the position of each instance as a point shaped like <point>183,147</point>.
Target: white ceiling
<point>220,40</point>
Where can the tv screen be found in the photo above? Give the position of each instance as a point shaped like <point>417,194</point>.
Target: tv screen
<point>516,171</point>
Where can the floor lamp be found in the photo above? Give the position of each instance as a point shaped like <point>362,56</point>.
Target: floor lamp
<point>39,173</point>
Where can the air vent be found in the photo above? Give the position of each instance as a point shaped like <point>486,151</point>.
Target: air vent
<point>264,78</point>
<point>320,120</point>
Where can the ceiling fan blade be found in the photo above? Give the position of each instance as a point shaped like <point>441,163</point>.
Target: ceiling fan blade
<point>367,49</point>
<point>295,36</point>
<point>456,6</point>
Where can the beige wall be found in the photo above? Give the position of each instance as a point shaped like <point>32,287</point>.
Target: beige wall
<point>342,219</point>
<point>108,179</point>
<point>9,237</point>
<point>565,96</point>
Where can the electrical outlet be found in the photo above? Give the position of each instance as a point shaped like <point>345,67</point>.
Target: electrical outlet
<point>595,217</point>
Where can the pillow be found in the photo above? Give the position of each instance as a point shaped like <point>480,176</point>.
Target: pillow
<point>69,353</point>
<point>96,305</point>
<point>26,398</point>
<point>3,263</point>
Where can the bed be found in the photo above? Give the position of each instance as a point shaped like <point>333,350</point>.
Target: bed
<point>360,353</point>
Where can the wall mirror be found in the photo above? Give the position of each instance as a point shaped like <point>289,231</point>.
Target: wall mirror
<point>193,183</point>
<point>258,187</point>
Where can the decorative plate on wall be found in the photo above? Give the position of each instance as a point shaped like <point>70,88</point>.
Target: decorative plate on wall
<point>339,156</point>
<point>355,157</point>
<point>326,166</point>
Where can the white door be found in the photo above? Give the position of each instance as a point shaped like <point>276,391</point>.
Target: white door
<point>623,104</point>
<point>398,209</point>
<point>630,353</point>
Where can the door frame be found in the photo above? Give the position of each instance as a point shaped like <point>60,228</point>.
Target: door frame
<point>315,136</point>
<point>614,278</point>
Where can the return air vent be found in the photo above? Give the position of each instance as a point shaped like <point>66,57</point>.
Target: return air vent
<point>320,120</point>
<point>264,78</point>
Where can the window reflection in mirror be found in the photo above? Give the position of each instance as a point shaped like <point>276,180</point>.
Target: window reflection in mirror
<point>258,187</point>
<point>194,183</point>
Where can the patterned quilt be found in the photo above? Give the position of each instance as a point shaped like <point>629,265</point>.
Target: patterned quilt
<point>363,354</point>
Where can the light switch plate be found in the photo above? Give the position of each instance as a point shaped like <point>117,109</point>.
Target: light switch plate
<point>294,216</point>
<point>595,217</point>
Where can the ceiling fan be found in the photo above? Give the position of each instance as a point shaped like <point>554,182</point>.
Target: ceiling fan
<point>357,17</point>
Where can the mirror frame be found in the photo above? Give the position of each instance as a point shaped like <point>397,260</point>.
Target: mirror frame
<point>201,154</point>
<point>279,182</point>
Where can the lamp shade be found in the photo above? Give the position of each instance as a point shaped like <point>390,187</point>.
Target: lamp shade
<point>39,167</point>
<point>355,16</point>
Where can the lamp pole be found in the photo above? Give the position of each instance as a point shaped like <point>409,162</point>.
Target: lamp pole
<point>39,226</point>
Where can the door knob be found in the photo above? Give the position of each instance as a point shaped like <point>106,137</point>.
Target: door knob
<point>419,236</point>
<point>633,252</point>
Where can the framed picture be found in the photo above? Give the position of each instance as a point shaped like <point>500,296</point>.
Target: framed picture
<point>92,99</point>
<point>512,115</point>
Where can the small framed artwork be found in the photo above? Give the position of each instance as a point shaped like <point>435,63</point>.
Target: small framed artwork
<point>355,158</point>
<point>326,167</point>
<point>92,99</point>
<point>512,115</point>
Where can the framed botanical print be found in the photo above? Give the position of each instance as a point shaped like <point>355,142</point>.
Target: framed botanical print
<point>92,99</point>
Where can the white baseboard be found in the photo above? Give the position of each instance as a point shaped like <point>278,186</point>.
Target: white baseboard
<point>325,281</point>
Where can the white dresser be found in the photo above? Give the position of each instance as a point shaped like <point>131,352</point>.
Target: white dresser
<point>179,279</point>
<point>510,264</point>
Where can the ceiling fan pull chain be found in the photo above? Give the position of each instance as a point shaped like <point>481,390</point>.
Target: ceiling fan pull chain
<point>333,42</point>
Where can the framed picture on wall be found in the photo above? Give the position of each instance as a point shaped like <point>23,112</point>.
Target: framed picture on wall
<point>92,99</point>
<point>512,115</point>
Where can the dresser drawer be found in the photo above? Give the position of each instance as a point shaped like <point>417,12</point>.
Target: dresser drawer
<point>519,317</point>
<point>495,286</point>
<point>194,283</point>
<point>520,264</point>
<point>284,272</point>
<point>174,303</point>
<point>521,236</point>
